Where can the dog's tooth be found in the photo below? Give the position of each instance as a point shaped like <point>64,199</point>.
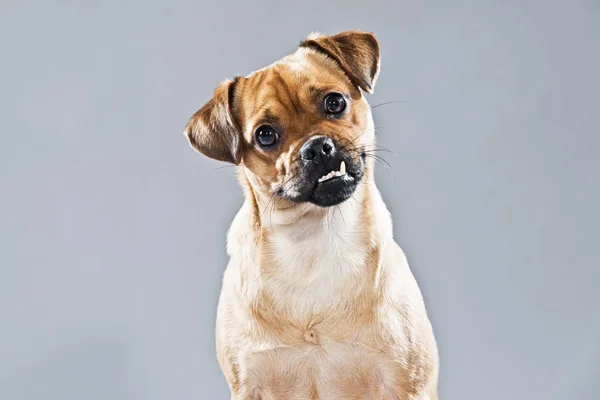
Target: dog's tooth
<point>333,174</point>
<point>342,168</point>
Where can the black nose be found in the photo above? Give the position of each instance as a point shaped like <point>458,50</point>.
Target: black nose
<point>320,146</point>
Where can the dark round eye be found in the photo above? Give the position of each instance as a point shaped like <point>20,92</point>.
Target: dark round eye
<point>335,104</point>
<point>266,136</point>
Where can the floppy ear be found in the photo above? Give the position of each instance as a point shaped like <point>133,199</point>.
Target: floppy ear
<point>357,53</point>
<point>212,130</point>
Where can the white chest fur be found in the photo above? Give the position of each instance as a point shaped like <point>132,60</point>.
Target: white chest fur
<point>305,332</point>
<point>311,259</point>
<point>317,260</point>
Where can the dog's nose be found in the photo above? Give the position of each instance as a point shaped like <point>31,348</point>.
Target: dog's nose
<point>320,146</point>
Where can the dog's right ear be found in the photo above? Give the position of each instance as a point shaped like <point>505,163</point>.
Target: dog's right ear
<point>356,52</point>
<point>212,130</point>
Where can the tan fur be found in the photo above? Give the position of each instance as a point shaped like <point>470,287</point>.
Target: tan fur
<point>317,303</point>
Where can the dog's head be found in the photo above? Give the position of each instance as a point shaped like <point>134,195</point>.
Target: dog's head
<point>300,126</point>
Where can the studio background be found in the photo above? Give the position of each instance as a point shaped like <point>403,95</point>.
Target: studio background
<point>112,229</point>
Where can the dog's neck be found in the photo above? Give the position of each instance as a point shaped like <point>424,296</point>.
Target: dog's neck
<point>306,253</point>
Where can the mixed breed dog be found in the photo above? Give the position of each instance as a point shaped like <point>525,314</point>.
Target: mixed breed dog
<point>318,300</point>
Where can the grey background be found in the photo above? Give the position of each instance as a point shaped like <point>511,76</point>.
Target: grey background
<point>112,229</point>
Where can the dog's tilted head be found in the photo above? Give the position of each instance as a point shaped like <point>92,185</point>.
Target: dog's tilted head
<point>301,126</point>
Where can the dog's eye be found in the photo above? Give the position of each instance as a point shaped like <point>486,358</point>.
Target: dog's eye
<point>266,136</point>
<point>335,104</point>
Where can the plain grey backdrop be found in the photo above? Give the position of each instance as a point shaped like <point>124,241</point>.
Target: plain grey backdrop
<point>112,229</point>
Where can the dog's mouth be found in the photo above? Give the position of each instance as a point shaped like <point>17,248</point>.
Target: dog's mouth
<point>340,174</point>
<point>325,184</point>
<point>335,187</point>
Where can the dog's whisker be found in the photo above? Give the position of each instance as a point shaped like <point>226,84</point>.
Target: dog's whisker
<point>342,215</point>
<point>353,197</point>
<point>376,151</point>
<point>388,102</point>
<point>225,166</point>
<point>302,211</point>
<point>353,140</point>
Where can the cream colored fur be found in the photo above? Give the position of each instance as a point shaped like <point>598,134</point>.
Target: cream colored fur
<point>317,303</point>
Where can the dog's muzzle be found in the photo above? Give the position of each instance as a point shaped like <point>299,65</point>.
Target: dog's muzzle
<point>328,173</point>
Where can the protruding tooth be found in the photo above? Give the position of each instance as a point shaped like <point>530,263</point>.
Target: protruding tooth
<point>334,174</point>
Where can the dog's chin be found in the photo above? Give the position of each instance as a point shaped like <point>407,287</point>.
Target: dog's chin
<point>334,191</point>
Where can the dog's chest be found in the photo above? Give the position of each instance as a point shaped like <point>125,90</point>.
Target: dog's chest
<point>327,371</point>
<point>317,272</point>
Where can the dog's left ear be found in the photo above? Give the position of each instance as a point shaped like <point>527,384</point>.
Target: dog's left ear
<point>212,130</point>
<point>356,52</point>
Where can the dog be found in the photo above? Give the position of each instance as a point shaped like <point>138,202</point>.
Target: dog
<point>317,301</point>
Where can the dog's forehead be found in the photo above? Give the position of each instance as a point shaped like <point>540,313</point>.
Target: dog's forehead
<point>295,79</point>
